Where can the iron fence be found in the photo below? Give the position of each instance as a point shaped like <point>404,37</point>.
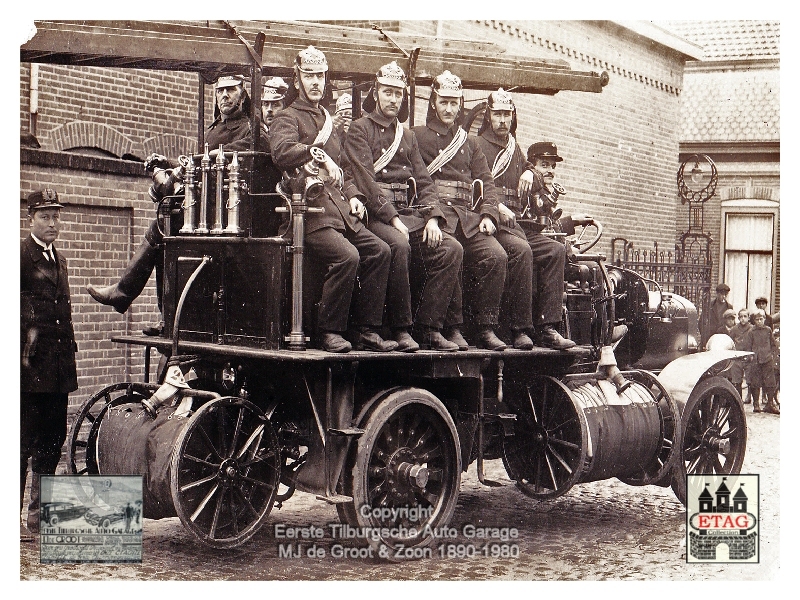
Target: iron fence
<point>685,270</point>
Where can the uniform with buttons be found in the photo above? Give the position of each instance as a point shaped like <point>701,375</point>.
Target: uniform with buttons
<point>47,341</point>
<point>428,275</point>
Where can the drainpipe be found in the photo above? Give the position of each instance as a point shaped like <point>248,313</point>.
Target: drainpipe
<point>34,98</point>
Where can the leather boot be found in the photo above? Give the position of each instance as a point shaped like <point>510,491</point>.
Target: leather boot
<point>548,337</point>
<point>405,343</point>
<point>453,334</point>
<point>432,339</point>
<point>369,339</point>
<point>756,393</point>
<point>521,340</point>
<point>122,294</point>
<point>487,339</point>
<point>331,341</point>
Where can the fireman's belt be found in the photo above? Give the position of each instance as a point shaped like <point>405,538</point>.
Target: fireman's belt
<point>509,197</point>
<point>397,193</point>
<point>454,192</point>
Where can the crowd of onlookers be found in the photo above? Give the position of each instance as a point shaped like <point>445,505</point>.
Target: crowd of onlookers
<point>757,332</point>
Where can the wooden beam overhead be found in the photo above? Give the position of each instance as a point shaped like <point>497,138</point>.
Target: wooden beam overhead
<point>353,53</point>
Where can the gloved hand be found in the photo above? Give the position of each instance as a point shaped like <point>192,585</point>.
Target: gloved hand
<point>530,182</point>
<point>156,160</point>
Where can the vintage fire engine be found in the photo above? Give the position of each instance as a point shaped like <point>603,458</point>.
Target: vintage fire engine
<point>244,412</point>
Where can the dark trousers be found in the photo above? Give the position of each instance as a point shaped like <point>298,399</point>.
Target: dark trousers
<point>346,255</point>
<point>549,258</point>
<point>515,311</point>
<point>435,277</point>
<point>43,430</point>
<point>417,271</point>
<point>483,277</point>
<point>155,238</point>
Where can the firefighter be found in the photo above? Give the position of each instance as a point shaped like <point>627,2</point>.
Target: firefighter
<point>231,127</point>
<point>454,160</point>
<point>336,238</point>
<point>384,159</point>
<point>273,94</point>
<point>550,256</point>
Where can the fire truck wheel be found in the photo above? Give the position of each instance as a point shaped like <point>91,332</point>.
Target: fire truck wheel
<point>546,454</point>
<point>81,447</point>
<point>407,473</point>
<point>225,472</point>
<point>714,433</point>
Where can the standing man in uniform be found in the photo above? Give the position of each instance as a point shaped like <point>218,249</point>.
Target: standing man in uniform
<point>385,163</point>
<point>454,160</point>
<point>512,180</point>
<point>48,372</point>
<point>231,127</point>
<point>336,238</point>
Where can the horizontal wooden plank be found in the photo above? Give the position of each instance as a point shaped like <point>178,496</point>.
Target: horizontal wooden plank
<point>212,47</point>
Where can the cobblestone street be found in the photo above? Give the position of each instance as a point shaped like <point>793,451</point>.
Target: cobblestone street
<point>604,530</point>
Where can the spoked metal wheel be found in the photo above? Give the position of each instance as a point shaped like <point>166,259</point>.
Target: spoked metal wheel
<point>82,438</point>
<point>225,471</point>
<point>407,459</point>
<point>547,452</point>
<point>671,431</point>
<point>714,433</point>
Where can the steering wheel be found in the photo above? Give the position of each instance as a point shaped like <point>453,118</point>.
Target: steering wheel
<point>579,244</point>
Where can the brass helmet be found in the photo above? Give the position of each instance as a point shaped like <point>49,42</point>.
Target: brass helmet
<point>448,85</point>
<point>499,100</point>
<point>311,60</point>
<point>392,75</point>
<point>274,89</point>
<point>344,102</point>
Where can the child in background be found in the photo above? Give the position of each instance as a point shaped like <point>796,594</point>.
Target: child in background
<point>737,367</point>
<point>759,340</point>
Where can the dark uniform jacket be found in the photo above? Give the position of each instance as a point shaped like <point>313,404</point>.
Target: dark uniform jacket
<point>491,145</point>
<point>45,307</point>
<point>233,134</point>
<point>366,141</point>
<point>290,138</point>
<point>468,164</point>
